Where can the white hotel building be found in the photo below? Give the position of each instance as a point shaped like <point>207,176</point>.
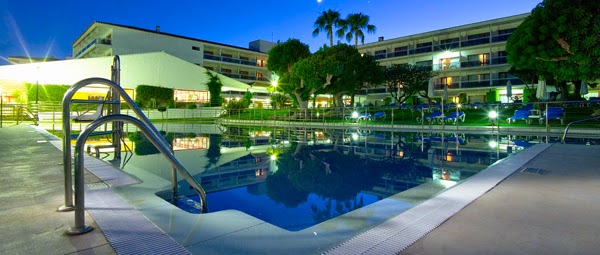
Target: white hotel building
<point>468,59</point>
<point>151,57</point>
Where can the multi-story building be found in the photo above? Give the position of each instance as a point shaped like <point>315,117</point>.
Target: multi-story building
<point>468,59</point>
<point>247,65</point>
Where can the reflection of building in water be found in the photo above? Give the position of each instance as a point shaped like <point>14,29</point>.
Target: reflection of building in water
<point>190,143</point>
<point>249,169</point>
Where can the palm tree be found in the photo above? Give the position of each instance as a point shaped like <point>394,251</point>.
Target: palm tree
<point>355,23</point>
<point>327,22</point>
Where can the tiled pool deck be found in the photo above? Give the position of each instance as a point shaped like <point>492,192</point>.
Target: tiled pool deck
<point>527,213</point>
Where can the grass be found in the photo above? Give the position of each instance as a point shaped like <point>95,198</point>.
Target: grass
<point>474,117</point>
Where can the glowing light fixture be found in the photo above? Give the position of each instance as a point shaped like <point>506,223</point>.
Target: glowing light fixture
<point>273,157</point>
<point>493,114</point>
<point>493,144</point>
<point>354,115</point>
<point>355,136</point>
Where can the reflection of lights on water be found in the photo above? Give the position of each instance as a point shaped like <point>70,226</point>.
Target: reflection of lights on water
<point>493,144</point>
<point>355,136</point>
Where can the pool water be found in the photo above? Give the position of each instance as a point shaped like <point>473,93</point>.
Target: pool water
<point>250,200</point>
<point>298,179</point>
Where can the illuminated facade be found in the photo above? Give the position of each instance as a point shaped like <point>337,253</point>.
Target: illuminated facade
<point>468,59</point>
<point>248,65</point>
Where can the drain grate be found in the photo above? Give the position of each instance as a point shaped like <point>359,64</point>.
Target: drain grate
<point>533,170</point>
<point>96,185</point>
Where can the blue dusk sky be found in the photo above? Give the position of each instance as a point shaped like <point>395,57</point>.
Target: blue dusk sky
<point>38,28</point>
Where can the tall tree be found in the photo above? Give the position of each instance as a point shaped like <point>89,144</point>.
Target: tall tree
<point>354,25</point>
<point>281,59</point>
<point>327,22</point>
<point>560,40</point>
<point>356,72</point>
<point>406,80</point>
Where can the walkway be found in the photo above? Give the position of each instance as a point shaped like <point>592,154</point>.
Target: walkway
<point>31,189</point>
<point>555,212</point>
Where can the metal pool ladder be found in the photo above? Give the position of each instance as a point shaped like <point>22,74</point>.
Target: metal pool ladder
<point>145,126</point>
<point>573,122</point>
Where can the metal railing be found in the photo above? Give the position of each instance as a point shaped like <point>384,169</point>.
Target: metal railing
<point>154,138</point>
<point>573,122</point>
<point>151,131</point>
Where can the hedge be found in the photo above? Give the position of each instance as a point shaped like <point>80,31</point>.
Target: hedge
<point>46,92</point>
<point>146,94</point>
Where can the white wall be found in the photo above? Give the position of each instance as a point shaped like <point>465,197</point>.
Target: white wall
<point>129,41</point>
<point>156,69</point>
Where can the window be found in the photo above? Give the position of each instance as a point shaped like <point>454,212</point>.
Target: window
<point>208,52</point>
<point>244,58</point>
<point>224,70</point>
<point>259,75</point>
<point>260,62</point>
<point>227,55</point>
<point>244,72</point>
<point>209,68</point>
<point>196,48</point>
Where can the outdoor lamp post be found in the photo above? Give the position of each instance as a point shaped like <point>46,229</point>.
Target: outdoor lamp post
<point>493,116</point>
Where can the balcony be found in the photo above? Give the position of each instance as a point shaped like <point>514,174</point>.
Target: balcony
<point>421,50</point>
<point>98,42</point>
<point>475,84</point>
<point>473,42</point>
<point>499,61</point>
<point>446,46</point>
<point>501,38</point>
<point>247,77</point>
<point>230,60</point>
<point>503,81</point>
<point>397,54</point>
<point>231,75</point>
<point>474,63</point>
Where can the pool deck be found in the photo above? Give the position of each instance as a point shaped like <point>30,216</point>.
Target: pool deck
<point>556,212</point>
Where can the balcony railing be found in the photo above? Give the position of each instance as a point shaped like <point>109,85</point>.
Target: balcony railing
<point>231,75</point>
<point>475,84</point>
<point>446,46</point>
<point>397,54</point>
<point>474,42</point>
<point>501,38</point>
<point>450,66</point>
<point>230,60</point>
<point>499,61</point>
<point>474,63</point>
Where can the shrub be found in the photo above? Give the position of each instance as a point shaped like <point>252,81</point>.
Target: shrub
<point>192,106</point>
<point>46,92</point>
<point>147,93</point>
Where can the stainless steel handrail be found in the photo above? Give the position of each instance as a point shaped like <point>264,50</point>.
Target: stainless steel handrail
<point>573,122</point>
<point>66,112</point>
<point>80,226</point>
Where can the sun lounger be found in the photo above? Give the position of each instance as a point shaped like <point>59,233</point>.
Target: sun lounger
<point>554,113</point>
<point>454,116</point>
<point>519,115</point>
<point>432,117</point>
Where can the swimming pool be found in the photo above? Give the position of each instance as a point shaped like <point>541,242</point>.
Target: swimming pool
<point>298,178</point>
